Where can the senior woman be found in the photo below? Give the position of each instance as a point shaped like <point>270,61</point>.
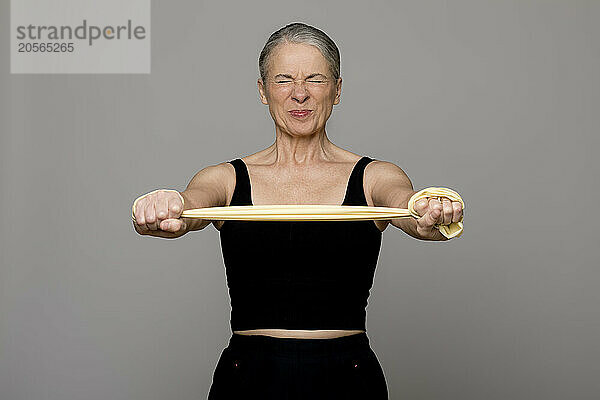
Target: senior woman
<point>298,289</point>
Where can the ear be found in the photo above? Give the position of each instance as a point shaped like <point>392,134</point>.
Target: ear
<point>338,91</point>
<point>262,91</point>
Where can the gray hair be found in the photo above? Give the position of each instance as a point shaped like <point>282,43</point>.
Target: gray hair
<point>298,32</point>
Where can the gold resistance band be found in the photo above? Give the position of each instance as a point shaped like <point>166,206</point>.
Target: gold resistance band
<point>306,212</point>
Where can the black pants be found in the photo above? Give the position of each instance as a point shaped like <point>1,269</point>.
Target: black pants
<point>265,367</point>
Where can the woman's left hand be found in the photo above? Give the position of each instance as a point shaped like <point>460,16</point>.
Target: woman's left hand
<point>436,211</point>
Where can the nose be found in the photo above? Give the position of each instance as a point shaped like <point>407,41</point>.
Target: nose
<point>299,93</point>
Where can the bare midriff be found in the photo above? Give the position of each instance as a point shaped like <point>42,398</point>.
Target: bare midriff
<point>300,334</point>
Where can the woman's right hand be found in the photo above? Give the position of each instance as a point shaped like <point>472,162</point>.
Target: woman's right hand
<point>157,214</point>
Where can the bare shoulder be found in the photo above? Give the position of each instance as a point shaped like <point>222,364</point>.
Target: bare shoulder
<point>218,179</point>
<point>382,177</point>
<point>217,174</point>
<point>385,170</point>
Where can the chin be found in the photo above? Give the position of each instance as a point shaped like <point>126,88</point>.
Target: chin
<point>303,132</point>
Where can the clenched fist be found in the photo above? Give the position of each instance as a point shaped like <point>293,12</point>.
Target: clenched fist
<point>436,211</point>
<point>157,213</point>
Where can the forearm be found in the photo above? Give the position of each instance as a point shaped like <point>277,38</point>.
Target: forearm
<point>195,199</point>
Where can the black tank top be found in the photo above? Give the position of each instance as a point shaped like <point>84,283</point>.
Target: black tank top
<point>299,274</point>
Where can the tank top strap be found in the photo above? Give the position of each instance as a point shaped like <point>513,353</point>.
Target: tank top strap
<point>355,196</point>
<point>241,194</point>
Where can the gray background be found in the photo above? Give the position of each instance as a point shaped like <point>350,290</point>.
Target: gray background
<point>497,100</point>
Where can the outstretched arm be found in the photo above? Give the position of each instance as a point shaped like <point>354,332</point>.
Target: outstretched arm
<point>208,188</point>
<point>158,213</point>
<point>391,187</point>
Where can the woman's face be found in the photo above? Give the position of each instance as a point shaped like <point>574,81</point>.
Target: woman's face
<point>298,78</point>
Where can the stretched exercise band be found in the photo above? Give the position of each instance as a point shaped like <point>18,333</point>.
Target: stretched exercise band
<point>306,212</point>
